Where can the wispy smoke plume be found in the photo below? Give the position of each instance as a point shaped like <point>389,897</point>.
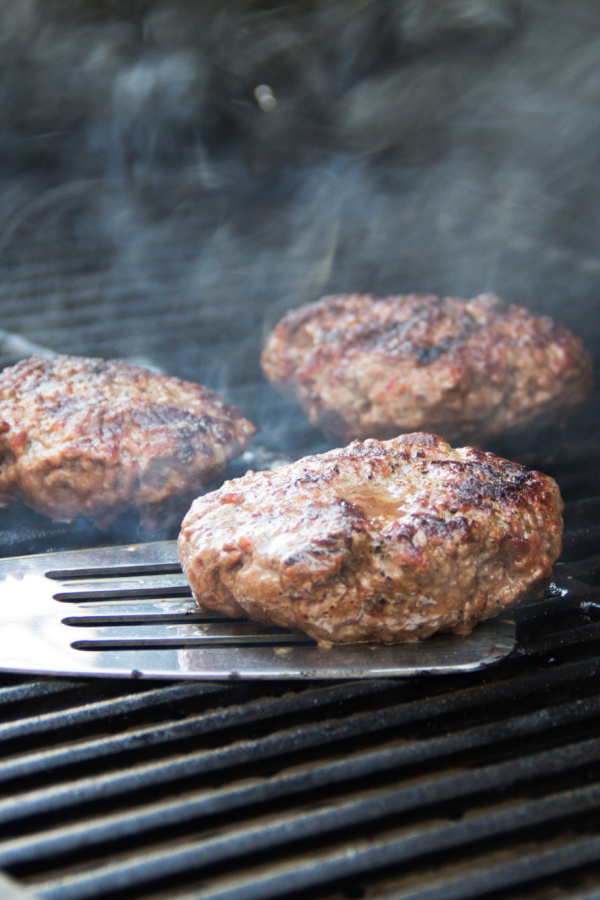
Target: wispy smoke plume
<point>215,163</point>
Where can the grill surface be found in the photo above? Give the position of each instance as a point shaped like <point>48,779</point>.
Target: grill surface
<point>482,785</point>
<point>446,787</point>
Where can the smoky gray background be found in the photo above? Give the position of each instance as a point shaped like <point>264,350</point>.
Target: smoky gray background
<point>155,206</point>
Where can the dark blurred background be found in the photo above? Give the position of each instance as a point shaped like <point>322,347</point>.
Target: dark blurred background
<point>175,174</point>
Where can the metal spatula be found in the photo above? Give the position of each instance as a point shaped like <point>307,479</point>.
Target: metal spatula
<point>128,611</point>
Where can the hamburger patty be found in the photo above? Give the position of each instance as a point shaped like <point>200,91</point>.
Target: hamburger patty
<point>378,541</point>
<point>89,437</point>
<point>363,366</point>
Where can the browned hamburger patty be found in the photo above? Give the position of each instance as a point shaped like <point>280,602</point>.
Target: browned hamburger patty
<point>380,541</point>
<point>364,366</point>
<point>89,437</point>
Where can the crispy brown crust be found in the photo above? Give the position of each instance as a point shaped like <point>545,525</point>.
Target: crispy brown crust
<point>95,437</point>
<point>382,541</point>
<point>363,366</point>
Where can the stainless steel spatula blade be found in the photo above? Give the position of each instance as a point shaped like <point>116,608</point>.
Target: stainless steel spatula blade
<point>128,612</point>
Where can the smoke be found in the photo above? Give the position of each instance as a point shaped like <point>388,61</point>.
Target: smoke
<point>212,164</point>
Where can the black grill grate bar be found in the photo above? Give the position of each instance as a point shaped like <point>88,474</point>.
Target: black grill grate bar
<point>577,478</point>
<point>252,712</point>
<point>18,693</point>
<point>122,306</point>
<point>105,710</point>
<point>79,261</point>
<point>425,841</point>
<point>360,857</point>
<point>552,607</point>
<point>247,714</point>
<point>576,603</point>
<point>493,879</point>
<point>158,333</point>
<point>581,541</point>
<point>134,340</point>
<point>577,636</point>
<point>124,303</point>
<point>15,271</point>
<point>76,291</point>
<point>585,895</point>
<point>87,265</point>
<point>582,513</point>
<point>46,283</point>
<point>578,576</point>
<point>79,793</point>
<point>475,782</point>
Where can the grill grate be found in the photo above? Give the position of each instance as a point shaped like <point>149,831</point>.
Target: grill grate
<point>432,788</point>
<point>483,785</point>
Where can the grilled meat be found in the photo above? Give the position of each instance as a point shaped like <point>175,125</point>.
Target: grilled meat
<point>378,541</point>
<point>89,437</point>
<point>362,366</point>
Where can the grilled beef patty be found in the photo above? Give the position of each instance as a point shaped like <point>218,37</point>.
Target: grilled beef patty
<point>362,366</point>
<point>378,541</point>
<point>89,437</point>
